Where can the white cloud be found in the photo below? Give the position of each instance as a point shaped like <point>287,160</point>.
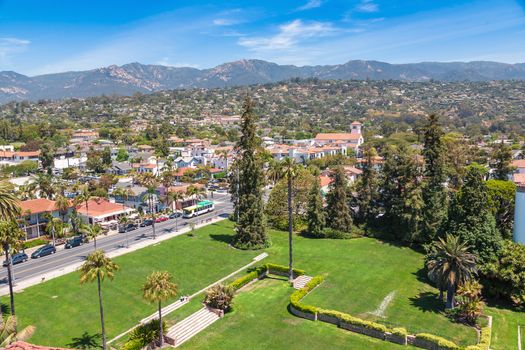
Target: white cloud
<point>311,4</point>
<point>289,36</point>
<point>224,22</point>
<point>165,61</point>
<point>367,6</point>
<point>10,46</point>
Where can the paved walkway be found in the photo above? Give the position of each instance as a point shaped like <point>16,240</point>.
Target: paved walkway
<point>301,281</point>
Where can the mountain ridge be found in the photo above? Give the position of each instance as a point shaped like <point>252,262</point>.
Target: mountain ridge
<point>146,78</point>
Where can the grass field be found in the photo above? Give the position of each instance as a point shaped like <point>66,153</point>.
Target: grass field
<point>260,320</point>
<point>360,273</point>
<point>66,314</point>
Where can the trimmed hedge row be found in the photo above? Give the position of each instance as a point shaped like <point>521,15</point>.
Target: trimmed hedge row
<point>262,270</point>
<point>439,342</point>
<point>484,342</point>
<point>295,298</point>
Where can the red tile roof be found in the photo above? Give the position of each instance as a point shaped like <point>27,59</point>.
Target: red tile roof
<point>519,179</point>
<point>35,206</point>
<point>100,207</point>
<point>325,180</point>
<point>519,163</point>
<point>338,136</point>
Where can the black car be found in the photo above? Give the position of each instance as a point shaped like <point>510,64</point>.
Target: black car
<point>74,242</point>
<point>17,258</point>
<point>48,249</point>
<point>147,222</point>
<point>127,228</point>
<point>175,215</point>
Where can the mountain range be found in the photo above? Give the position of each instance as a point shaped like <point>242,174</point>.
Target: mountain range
<point>136,77</point>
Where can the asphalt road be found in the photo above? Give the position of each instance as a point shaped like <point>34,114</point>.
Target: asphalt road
<point>65,257</point>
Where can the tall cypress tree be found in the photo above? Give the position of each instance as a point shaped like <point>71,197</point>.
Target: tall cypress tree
<point>401,194</point>
<point>470,216</point>
<point>367,189</point>
<point>337,209</point>
<point>434,193</point>
<point>315,214</point>
<point>251,224</point>
<point>502,158</point>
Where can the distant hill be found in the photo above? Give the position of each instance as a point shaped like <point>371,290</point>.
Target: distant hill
<point>136,77</point>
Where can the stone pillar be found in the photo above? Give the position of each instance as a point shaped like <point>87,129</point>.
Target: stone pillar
<point>519,215</point>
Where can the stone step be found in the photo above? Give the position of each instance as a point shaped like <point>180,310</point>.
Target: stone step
<point>191,325</point>
<point>301,281</point>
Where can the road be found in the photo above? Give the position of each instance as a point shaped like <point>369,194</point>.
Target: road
<point>66,257</point>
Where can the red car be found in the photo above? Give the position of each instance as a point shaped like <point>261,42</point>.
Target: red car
<point>161,219</point>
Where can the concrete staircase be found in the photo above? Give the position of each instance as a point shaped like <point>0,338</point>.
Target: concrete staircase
<point>301,281</point>
<point>190,326</point>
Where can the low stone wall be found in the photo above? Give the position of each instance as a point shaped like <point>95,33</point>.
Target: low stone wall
<point>425,344</point>
<point>328,319</point>
<point>362,330</point>
<point>394,338</point>
<point>298,313</point>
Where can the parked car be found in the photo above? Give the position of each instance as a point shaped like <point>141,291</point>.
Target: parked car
<point>161,219</point>
<point>17,258</point>
<point>127,228</point>
<point>74,242</point>
<point>147,222</point>
<point>48,249</point>
<point>175,215</point>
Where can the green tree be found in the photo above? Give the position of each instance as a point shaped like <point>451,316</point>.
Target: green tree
<point>290,170</point>
<point>11,240</point>
<point>401,194</point>
<point>122,155</point>
<point>159,287</point>
<point>92,232</point>
<point>47,156</point>
<point>470,218</point>
<point>502,161</point>
<point>367,189</point>
<point>9,334</point>
<point>315,212</point>
<point>501,202</point>
<point>95,161</point>
<point>434,209</point>
<point>451,262</point>
<point>337,204</point>
<point>250,229</point>
<point>96,267</point>
<point>106,156</point>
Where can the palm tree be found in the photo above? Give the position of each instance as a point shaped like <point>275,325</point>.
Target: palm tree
<point>10,238</point>
<point>9,334</point>
<point>124,193</point>
<point>158,288</point>
<point>55,226</point>
<point>62,204</point>
<point>274,172</point>
<point>151,198</point>
<point>174,197</point>
<point>44,184</point>
<point>96,267</point>
<point>84,197</point>
<point>289,171</point>
<point>92,232</point>
<point>195,192</point>
<point>451,263</point>
<point>9,204</point>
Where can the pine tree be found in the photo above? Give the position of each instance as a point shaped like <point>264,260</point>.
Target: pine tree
<point>502,157</point>
<point>401,195</point>
<point>470,216</point>
<point>434,195</point>
<point>251,226</point>
<point>315,214</point>
<point>367,189</point>
<point>337,209</point>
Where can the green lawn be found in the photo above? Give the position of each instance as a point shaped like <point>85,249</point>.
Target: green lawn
<point>66,313</point>
<point>260,320</point>
<point>360,273</point>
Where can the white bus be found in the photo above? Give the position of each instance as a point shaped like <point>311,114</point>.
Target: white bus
<point>198,209</point>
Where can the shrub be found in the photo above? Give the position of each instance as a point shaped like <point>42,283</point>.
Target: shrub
<point>133,344</point>
<point>219,297</point>
<point>365,324</point>
<point>145,334</point>
<point>244,280</point>
<point>273,268</point>
<point>400,332</point>
<point>295,298</point>
<point>484,342</point>
<point>35,242</point>
<point>439,341</point>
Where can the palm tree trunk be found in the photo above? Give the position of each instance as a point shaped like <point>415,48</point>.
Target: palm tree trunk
<point>450,297</point>
<point>290,229</point>
<point>161,330</point>
<point>10,278</point>
<point>95,243</point>
<point>441,293</point>
<point>104,345</point>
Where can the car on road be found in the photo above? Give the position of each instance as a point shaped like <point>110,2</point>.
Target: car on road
<point>175,215</point>
<point>17,258</point>
<point>127,228</point>
<point>147,222</point>
<point>48,249</point>
<point>74,242</point>
<point>161,219</point>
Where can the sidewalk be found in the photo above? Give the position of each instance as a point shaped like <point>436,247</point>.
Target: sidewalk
<point>20,286</point>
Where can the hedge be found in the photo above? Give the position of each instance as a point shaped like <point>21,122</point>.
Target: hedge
<point>439,341</point>
<point>295,298</point>
<point>400,332</point>
<point>133,344</point>
<point>272,268</point>
<point>484,343</point>
<point>35,242</point>
<point>259,271</point>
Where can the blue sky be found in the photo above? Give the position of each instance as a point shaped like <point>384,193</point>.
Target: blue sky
<point>46,36</point>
